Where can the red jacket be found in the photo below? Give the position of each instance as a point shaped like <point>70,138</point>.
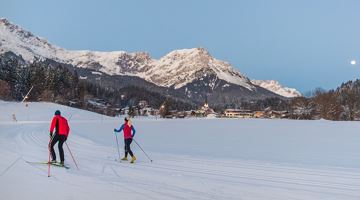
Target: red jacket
<point>63,126</point>
<point>127,130</point>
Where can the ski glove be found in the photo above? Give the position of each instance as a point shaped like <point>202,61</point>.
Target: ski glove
<point>51,134</point>
<point>115,130</point>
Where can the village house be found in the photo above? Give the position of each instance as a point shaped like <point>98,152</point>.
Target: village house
<point>238,113</point>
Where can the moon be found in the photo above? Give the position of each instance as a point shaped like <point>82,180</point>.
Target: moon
<point>353,62</point>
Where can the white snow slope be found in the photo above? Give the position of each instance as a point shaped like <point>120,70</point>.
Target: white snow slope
<point>193,158</point>
<point>275,87</point>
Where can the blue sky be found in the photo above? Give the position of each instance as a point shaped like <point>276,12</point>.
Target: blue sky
<point>303,44</point>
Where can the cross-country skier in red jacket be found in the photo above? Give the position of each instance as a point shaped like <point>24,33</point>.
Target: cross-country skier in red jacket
<point>127,127</point>
<point>60,124</point>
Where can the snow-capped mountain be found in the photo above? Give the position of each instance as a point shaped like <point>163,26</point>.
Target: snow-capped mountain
<point>277,88</point>
<point>191,75</point>
<point>176,69</point>
<point>184,66</point>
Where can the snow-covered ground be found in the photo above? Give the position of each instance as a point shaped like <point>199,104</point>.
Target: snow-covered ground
<point>193,158</point>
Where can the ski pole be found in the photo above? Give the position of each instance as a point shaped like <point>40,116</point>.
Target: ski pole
<point>49,148</point>
<point>71,155</point>
<point>117,144</point>
<point>143,151</point>
<point>49,159</point>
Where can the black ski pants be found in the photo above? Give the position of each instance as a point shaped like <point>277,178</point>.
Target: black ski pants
<point>127,147</point>
<point>61,139</point>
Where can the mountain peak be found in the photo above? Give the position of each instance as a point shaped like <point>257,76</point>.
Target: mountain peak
<point>24,43</point>
<point>15,28</point>
<point>193,53</point>
<point>277,88</point>
<point>176,69</point>
<point>200,51</point>
<point>4,21</point>
<point>186,65</point>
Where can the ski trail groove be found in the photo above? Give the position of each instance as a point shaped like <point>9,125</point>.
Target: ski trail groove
<point>180,189</point>
<point>264,182</point>
<point>10,166</point>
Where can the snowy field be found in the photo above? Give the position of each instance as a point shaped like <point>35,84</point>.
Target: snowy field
<point>193,158</point>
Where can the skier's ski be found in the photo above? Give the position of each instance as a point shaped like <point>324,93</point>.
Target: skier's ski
<point>53,164</point>
<point>59,165</point>
<point>121,161</point>
<point>124,161</point>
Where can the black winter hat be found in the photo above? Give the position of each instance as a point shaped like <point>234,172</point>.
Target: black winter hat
<point>57,112</point>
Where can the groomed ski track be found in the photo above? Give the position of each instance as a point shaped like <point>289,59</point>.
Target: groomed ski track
<point>199,169</point>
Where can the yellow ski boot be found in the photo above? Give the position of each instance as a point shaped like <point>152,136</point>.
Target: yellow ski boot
<point>124,159</point>
<point>133,158</point>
